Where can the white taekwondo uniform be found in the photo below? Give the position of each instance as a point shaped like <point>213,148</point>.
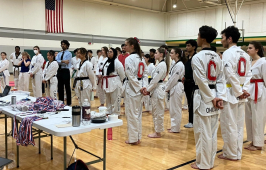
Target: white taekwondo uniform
<point>112,85</point>
<point>84,79</point>
<point>237,77</point>
<point>99,70</point>
<point>137,78</point>
<point>209,83</point>
<point>36,69</point>
<point>4,65</point>
<point>49,75</point>
<point>256,105</point>
<point>176,90</point>
<point>157,93</point>
<point>15,60</point>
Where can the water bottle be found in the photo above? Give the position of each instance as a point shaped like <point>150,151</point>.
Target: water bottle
<point>86,112</point>
<point>110,130</point>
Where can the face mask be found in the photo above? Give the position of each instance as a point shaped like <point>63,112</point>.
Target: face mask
<point>35,51</point>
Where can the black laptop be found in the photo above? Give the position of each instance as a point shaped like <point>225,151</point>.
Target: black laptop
<point>6,91</point>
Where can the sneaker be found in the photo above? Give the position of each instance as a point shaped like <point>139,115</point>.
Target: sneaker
<point>189,125</point>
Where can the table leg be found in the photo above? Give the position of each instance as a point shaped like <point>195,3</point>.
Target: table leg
<point>39,141</point>
<point>6,135</point>
<point>104,149</point>
<point>65,152</point>
<point>17,149</point>
<point>12,126</point>
<point>52,147</point>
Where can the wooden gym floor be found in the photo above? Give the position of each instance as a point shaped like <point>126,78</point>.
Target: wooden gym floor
<point>172,151</point>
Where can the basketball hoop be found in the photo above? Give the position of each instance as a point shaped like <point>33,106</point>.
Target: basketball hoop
<point>233,10</point>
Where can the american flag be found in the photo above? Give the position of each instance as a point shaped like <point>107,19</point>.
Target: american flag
<point>54,16</point>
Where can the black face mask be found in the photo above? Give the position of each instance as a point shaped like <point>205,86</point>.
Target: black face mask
<point>123,52</point>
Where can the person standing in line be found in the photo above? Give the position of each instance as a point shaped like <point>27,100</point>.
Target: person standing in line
<point>74,62</point>
<point>150,67</point>
<point>122,58</point>
<point>36,72</point>
<point>43,85</point>
<point>63,74</point>
<point>99,53</point>
<point>118,50</point>
<point>175,89</point>
<point>99,71</point>
<point>113,75</point>
<point>156,89</point>
<point>85,77</point>
<point>208,96</point>
<point>137,80</point>
<point>166,99</point>
<point>256,105</point>
<point>24,76</point>
<point>49,75</point>
<point>15,58</point>
<point>94,62</point>
<point>4,73</point>
<point>191,47</point>
<point>74,66</point>
<point>152,52</point>
<point>185,104</point>
<point>237,77</point>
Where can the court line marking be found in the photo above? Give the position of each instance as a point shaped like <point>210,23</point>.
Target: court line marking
<point>189,162</point>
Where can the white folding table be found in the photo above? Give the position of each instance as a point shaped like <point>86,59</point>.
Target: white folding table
<point>49,126</point>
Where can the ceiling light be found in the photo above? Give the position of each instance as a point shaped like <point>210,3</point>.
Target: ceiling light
<point>174,5</point>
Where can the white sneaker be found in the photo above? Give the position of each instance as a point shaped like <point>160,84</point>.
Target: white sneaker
<point>189,125</point>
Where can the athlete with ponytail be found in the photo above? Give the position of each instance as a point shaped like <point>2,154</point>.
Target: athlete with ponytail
<point>156,90</point>
<point>136,81</point>
<point>175,89</point>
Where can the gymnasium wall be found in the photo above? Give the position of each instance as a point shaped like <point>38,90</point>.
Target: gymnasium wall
<point>184,25</point>
<point>22,23</point>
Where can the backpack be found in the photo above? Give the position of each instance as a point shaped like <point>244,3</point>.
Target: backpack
<point>79,165</point>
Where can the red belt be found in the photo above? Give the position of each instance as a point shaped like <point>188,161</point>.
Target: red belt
<point>100,70</point>
<point>106,78</point>
<point>256,81</point>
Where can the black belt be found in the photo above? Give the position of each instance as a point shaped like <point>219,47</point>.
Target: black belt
<point>52,76</point>
<point>137,78</point>
<point>82,78</point>
<point>168,94</point>
<point>149,80</point>
<point>78,79</point>
<point>211,86</point>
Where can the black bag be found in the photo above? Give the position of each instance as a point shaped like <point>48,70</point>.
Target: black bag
<point>79,165</point>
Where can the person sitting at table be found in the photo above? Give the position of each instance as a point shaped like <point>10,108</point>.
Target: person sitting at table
<point>49,75</point>
<point>24,76</point>
<point>4,73</point>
